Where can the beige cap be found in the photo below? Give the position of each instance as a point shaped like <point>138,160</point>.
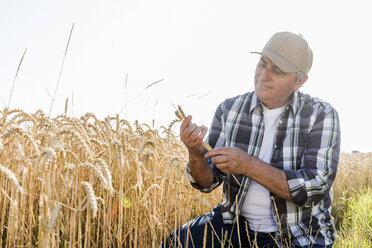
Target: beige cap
<point>289,51</point>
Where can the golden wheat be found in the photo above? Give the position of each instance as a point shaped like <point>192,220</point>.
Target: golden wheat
<point>93,183</point>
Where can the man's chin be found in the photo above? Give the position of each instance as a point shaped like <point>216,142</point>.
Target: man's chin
<point>262,94</point>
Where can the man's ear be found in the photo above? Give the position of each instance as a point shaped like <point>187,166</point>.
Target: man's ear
<point>300,82</point>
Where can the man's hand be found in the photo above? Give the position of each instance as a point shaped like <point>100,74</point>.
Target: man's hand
<point>231,160</point>
<point>192,136</point>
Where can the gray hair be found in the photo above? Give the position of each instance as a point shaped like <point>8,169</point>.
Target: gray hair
<point>300,75</point>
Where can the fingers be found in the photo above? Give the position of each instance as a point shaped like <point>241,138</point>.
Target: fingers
<point>186,122</point>
<point>224,167</point>
<point>230,160</point>
<point>191,134</point>
<point>194,133</point>
<point>217,152</point>
<point>220,159</point>
<point>223,162</point>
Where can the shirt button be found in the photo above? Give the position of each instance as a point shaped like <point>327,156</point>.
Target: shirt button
<point>275,146</point>
<point>280,121</point>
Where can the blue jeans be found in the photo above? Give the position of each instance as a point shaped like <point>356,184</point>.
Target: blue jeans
<point>218,234</point>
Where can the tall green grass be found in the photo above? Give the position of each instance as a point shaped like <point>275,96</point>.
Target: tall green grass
<point>352,206</point>
<point>355,221</point>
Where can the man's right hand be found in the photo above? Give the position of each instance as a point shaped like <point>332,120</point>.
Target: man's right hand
<point>192,136</point>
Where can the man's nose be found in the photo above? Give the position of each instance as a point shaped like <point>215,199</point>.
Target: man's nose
<point>266,72</point>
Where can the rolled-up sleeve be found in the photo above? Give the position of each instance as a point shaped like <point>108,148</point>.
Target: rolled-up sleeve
<point>218,178</point>
<point>310,184</point>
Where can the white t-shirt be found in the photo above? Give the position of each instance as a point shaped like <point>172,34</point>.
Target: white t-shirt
<point>257,207</point>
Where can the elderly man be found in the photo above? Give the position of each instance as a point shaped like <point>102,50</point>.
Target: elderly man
<point>276,151</point>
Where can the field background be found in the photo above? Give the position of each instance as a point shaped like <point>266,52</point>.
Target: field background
<point>85,182</point>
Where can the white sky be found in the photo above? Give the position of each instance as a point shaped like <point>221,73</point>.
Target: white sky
<point>200,48</point>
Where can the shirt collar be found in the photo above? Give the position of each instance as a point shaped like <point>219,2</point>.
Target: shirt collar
<point>293,102</point>
<point>255,103</point>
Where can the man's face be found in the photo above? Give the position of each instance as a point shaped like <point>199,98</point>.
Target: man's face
<point>273,86</point>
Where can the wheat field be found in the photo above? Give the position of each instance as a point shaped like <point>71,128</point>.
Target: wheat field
<point>85,182</point>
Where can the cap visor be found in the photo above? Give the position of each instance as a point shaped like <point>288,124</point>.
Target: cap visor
<point>279,61</point>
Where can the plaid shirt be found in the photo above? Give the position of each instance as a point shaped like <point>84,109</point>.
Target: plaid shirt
<point>306,148</point>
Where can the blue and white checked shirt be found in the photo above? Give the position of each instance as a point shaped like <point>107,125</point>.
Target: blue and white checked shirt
<point>306,148</point>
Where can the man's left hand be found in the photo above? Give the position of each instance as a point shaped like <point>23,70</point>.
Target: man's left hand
<point>231,160</point>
